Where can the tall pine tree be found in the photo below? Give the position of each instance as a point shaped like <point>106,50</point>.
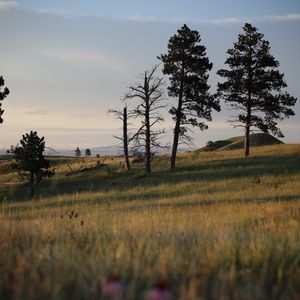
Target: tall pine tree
<point>187,65</point>
<point>254,86</point>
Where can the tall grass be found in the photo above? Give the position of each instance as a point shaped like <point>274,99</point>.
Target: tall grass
<point>221,227</point>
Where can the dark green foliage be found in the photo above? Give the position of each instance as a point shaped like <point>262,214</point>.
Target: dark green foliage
<point>187,65</point>
<point>31,163</point>
<point>88,152</point>
<point>254,86</point>
<point>77,152</point>
<point>3,95</point>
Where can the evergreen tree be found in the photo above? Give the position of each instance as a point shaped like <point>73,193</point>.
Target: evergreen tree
<point>77,152</point>
<point>254,86</point>
<point>31,163</point>
<point>187,65</point>
<point>88,152</point>
<point>3,95</point>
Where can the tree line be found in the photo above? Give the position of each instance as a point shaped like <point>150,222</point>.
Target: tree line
<point>251,85</point>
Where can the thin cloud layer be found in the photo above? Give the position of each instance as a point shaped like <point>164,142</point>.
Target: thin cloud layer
<point>82,57</point>
<point>142,19</point>
<point>5,5</point>
<point>221,22</point>
<point>285,18</point>
<point>227,21</point>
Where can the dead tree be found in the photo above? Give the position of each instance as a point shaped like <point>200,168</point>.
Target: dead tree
<point>150,95</point>
<point>85,168</point>
<point>124,116</point>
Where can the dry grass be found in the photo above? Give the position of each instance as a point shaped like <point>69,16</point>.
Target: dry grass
<point>221,227</point>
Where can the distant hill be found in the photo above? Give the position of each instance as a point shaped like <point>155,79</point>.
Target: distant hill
<point>256,140</point>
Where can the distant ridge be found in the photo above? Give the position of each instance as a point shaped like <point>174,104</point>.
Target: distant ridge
<point>256,140</point>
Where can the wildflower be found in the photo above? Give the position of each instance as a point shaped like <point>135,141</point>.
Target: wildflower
<point>113,287</point>
<point>160,291</point>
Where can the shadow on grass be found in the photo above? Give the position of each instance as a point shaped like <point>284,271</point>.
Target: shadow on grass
<point>191,171</point>
<point>151,205</point>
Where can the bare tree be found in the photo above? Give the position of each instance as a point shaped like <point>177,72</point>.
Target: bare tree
<point>124,116</point>
<point>150,95</point>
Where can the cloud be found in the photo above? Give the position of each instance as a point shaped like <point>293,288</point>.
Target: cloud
<point>221,22</point>
<point>5,5</point>
<point>82,57</point>
<point>82,130</point>
<point>35,112</point>
<point>141,19</point>
<point>227,21</point>
<point>55,12</point>
<point>284,18</point>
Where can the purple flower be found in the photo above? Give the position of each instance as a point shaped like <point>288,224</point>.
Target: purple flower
<point>159,292</point>
<point>113,287</point>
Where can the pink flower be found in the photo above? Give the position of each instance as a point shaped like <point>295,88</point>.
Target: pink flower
<point>113,287</point>
<point>156,294</point>
<point>159,292</point>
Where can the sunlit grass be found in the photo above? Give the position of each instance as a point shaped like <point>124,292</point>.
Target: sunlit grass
<point>221,227</point>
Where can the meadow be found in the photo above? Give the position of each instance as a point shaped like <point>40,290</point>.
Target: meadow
<point>220,227</point>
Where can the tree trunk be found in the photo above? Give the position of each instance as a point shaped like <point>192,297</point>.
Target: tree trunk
<point>175,144</point>
<point>148,131</point>
<point>125,140</point>
<point>31,185</point>
<point>177,130</point>
<point>247,127</point>
<point>249,105</point>
<point>247,141</point>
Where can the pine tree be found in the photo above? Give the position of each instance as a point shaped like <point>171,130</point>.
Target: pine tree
<point>187,65</point>
<point>77,152</point>
<point>254,86</point>
<point>3,95</point>
<point>88,152</point>
<point>31,163</point>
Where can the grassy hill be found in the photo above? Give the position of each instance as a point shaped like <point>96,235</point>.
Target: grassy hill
<point>256,140</point>
<point>220,227</point>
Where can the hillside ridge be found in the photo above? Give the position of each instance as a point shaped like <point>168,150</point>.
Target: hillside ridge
<point>234,143</point>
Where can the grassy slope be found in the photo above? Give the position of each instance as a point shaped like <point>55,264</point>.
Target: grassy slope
<point>209,229</point>
<point>234,143</point>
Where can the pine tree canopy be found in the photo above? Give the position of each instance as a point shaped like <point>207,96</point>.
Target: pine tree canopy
<point>253,84</point>
<point>187,65</point>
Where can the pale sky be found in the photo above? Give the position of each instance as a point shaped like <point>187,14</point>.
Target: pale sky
<point>68,62</point>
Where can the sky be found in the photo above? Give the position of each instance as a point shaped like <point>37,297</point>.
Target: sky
<point>68,62</point>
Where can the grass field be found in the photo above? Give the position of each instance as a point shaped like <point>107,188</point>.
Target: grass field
<point>220,227</point>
